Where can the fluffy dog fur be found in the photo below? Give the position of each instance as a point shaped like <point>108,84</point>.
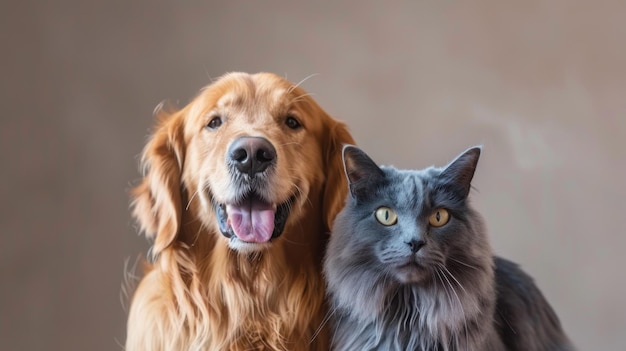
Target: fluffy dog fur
<point>204,291</point>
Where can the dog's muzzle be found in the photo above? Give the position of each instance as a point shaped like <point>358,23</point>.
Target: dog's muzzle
<point>251,218</point>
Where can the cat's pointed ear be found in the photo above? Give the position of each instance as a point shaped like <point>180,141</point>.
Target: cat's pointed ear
<point>362,172</point>
<point>461,171</point>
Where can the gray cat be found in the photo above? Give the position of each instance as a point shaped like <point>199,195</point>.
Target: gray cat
<point>409,267</point>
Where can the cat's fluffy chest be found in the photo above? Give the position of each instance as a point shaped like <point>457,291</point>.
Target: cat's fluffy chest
<point>409,317</point>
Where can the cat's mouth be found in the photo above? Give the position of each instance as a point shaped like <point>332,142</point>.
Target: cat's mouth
<point>412,265</point>
<point>411,271</point>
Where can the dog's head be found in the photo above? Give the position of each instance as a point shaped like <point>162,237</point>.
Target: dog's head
<point>246,158</point>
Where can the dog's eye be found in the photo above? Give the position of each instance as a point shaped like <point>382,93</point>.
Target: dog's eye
<point>292,123</point>
<point>215,123</point>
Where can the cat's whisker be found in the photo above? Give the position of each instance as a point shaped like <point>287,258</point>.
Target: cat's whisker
<point>329,314</point>
<point>338,321</point>
<point>445,271</point>
<point>463,263</point>
<point>445,287</point>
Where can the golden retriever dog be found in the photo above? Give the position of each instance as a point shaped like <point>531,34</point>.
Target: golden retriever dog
<point>239,191</point>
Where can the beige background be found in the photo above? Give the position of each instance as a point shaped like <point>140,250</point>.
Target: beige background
<point>541,85</point>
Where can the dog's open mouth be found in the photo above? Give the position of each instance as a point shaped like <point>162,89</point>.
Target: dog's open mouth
<point>253,219</point>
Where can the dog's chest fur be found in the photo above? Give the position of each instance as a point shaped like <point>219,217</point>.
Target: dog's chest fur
<point>256,304</point>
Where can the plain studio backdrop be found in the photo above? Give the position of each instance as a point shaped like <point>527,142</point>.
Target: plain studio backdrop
<point>541,84</point>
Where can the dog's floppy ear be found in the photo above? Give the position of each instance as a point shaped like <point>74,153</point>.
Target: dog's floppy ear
<point>336,187</point>
<point>157,202</point>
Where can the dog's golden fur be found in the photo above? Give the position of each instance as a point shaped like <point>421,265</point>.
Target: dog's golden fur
<point>202,292</point>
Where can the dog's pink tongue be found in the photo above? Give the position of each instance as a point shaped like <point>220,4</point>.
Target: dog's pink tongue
<point>252,221</point>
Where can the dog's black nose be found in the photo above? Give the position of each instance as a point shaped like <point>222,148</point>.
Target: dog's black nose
<point>252,155</point>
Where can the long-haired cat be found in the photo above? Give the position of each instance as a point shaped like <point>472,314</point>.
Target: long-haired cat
<point>409,267</point>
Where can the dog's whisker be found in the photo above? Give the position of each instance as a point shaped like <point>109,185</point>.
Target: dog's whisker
<point>197,236</point>
<point>293,87</point>
<point>290,143</point>
<point>129,283</point>
<point>300,98</point>
<point>294,242</point>
<point>301,192</point>
<point>211,79</point>
<point>191,199</point>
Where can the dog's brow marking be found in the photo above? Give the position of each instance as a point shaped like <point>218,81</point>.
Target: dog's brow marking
<point>228,100</point>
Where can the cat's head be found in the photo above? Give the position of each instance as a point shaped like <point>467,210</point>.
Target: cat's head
<point>410,226</point>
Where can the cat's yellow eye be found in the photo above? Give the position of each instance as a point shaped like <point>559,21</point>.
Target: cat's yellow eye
<point>386,216</point>
<point>439,217</point>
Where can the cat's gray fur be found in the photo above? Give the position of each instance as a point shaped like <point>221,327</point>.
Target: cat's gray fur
<point>453,295</point>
